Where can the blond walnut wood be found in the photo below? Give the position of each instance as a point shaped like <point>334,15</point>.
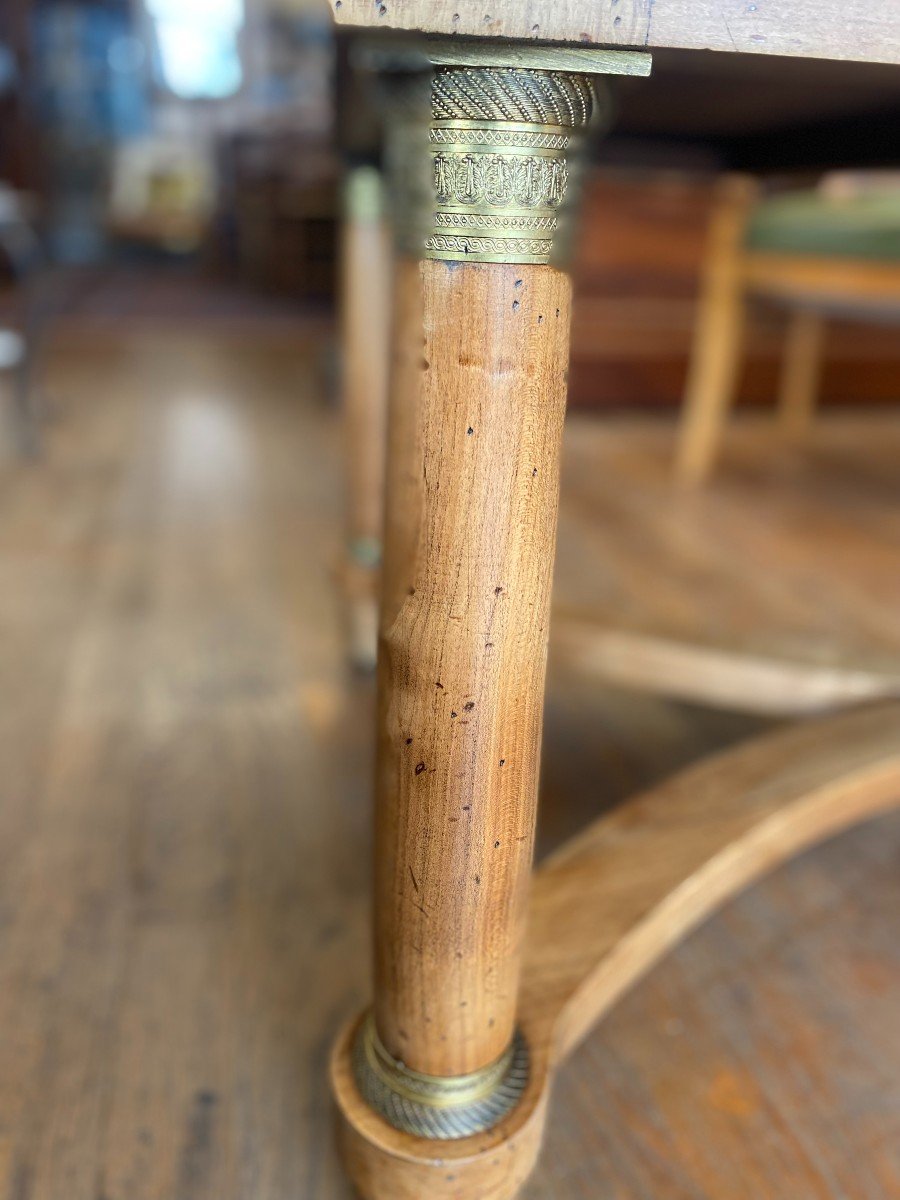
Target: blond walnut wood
<point>618,896</point>
<point>843,29</point>
<point>365,323</point>
<point>462,666</point>
<point>613,901</point>
<point>404,483</point>
<point>183,828</point>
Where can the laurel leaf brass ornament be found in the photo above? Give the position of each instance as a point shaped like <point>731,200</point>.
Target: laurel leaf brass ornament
<point>499,140</point>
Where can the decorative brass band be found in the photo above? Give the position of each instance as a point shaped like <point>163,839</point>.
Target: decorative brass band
<point>434,1106</point>
<point>499,139</point>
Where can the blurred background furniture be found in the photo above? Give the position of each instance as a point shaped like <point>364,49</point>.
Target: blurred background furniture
<point>365,340</point>
<point>19,334</point>
<point>829,251</point>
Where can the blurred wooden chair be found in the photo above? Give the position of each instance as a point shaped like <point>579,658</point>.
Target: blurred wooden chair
<point>832,250</point>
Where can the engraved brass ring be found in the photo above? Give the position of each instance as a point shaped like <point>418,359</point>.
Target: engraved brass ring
<point>438,1106</point>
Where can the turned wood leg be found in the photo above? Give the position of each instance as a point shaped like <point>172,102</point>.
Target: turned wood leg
<point>481,990</point>
<point>439,1072</point>
<point>800,374</point>
<point>463,667</point>
<point>718,334</point>
<point>365,295</point>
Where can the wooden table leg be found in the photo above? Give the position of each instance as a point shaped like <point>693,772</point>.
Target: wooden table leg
<point>365,291</point>
<point>463,650</point>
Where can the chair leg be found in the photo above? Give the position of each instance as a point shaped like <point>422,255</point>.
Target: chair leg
<point>711,384</point>
<point>800,374</point>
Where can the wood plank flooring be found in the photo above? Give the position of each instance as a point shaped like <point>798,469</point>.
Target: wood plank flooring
<point>184,841</point>
<point>789,554</point>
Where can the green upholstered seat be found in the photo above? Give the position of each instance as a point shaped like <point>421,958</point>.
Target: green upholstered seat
<point>811,223</point>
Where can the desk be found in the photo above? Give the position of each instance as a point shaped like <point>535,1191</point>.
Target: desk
<point>485,978</point>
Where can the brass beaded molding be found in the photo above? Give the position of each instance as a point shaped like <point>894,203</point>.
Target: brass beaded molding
<point>499,138</point>
<point>434,1106</point>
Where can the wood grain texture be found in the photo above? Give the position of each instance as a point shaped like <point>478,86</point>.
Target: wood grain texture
<point>462,665</point>
<point>673,607</point>
<point>607,906</point>
<point>185,822</point>
<point>161,919</point>
<point>404,484</point>
<point>842,29</point>
<point>727,1071</point>
<point>365,327</point>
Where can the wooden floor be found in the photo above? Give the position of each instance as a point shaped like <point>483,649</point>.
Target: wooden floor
<point>184,841</point>
<point>790,554</point>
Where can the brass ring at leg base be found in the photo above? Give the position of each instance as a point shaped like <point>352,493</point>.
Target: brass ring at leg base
<point>435,1106</point>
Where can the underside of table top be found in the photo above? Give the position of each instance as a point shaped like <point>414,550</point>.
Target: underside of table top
<point>864,30</point>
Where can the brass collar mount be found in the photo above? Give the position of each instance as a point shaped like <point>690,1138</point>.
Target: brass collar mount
<point>504,121</point>
<point>437,1106</point>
